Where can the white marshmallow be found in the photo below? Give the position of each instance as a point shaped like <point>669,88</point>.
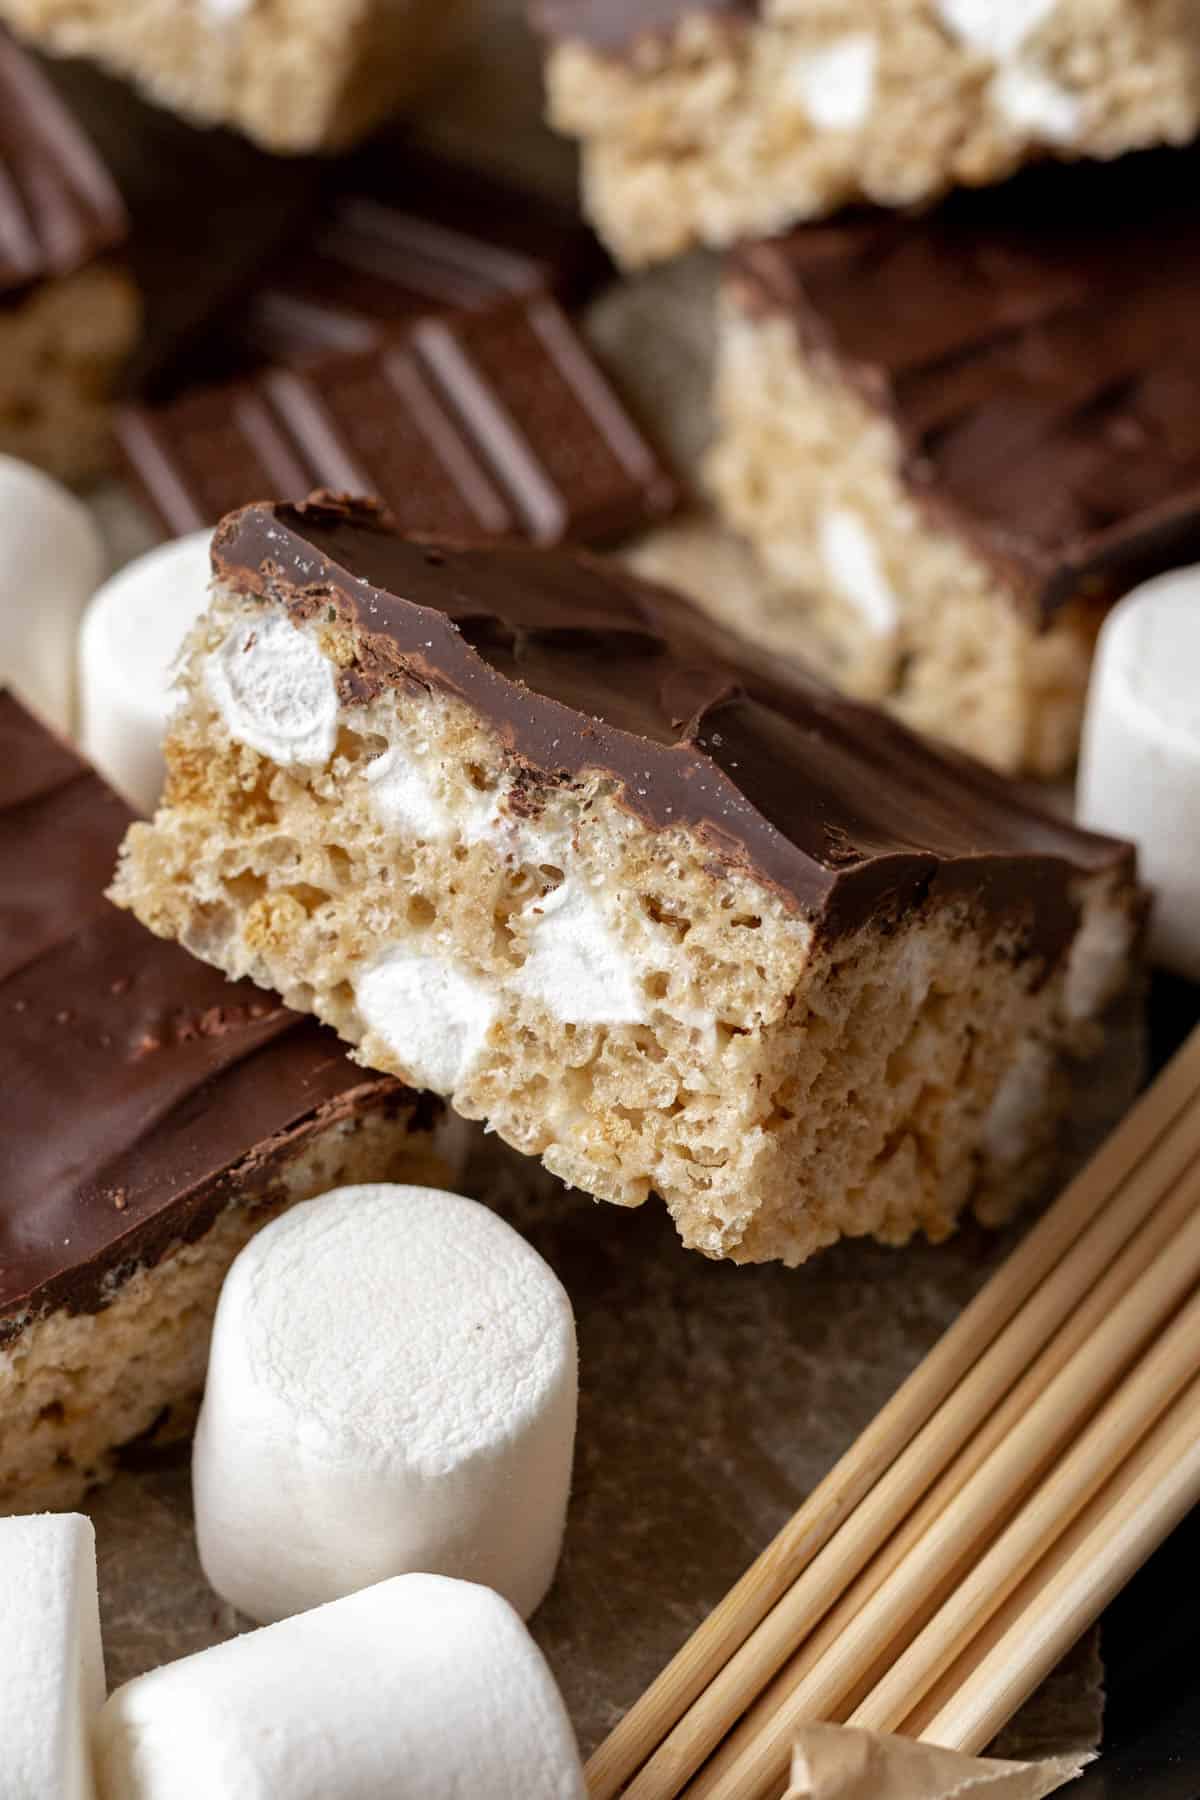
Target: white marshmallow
<point>51,1663</point>
<point>275,691</point>
<point>1139,774</point>
<point>417,1689</point>
<point>836,86</point>
<point>853,567</point>
<point>996,28</point>
<point>404,798</point>
<point>1032,103</point>
<point>576,967</point>
<point>131,635</point>
<point>434,1017</point>
<point>51,563</point>
<point>391,1387</point>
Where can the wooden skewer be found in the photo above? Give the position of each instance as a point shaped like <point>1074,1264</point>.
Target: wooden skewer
<point>1166,1370</point>
<point>1014,1315</point>
<point>750,1601</point>
<point>1158,1230</point>
<point>759,1769</point>
<point>1127,1521</point>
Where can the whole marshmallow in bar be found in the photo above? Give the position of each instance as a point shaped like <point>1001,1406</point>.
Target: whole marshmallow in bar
<point>51,1662</point>
<point>391,1387</point>
<point>417,1689</point>
<point>51,562</point>
<point>131,635</point>
<point>1140,767</point>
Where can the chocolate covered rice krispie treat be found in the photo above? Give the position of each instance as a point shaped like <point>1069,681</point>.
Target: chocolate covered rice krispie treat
<point>152,1119</point>
<point>954,440</point>
<point>523,830</point>
<point>704,121</point>
<point>293,74</point>
<point>69,309</point>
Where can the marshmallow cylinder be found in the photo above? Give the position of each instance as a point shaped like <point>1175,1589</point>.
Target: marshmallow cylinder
<point>391,1387</point>
<point>417,1689</point>
<point>130,637</point>
<point>51,1663</point>
<point>1139,772</point>
<point>51,562</point>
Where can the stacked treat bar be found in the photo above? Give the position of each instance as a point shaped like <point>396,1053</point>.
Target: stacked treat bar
<point>951,438</point>
<point>706,121</point>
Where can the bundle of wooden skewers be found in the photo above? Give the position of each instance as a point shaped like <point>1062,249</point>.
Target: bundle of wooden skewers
<point>981,1523</point>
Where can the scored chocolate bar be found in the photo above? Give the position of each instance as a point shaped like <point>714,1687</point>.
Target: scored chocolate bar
<point>533,834</point>
<point>493,423</point>
<point>152,1117</point>
<point>404,234</point>
<point>70,313</point>
<point>956,438</point>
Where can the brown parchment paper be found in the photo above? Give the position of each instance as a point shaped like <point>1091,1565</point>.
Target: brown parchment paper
<point>832,1762</point>
<point>713,1398</point>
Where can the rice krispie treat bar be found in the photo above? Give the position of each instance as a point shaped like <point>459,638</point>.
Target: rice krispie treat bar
<point>152,1118</point>
<point>293,74</point>
<point>69,310</point>
<point>521,829</point>
<point>704,121</point>
<point>955,440</point>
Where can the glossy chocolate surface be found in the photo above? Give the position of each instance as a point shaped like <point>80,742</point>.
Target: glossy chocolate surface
<point>59,207</point>
<point>1037,347</point>
<point>139,1090</point>
<point>404,234</point>
<point>579,667</point>
<point>490,423</point>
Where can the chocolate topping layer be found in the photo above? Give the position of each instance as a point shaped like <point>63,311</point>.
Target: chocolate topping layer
<point>138,1088</point>
<point>581,668</point>
<point>59,207</point>
<point>615,25</point>
<point>1037,346</point>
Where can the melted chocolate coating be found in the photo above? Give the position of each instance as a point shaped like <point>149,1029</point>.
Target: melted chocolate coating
<point>490,423</point>
<point>59,207</point>
<point>580,668</point>
<point>616,25</point>
<point>139,1090</point>
<point>1036,345</point>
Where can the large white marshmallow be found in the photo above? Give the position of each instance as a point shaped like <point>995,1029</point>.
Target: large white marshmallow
<point>391,1387</point>
<point>1139,773</point>
<point>51,563</point>
<point>131,635</point>
<point>417,1689</point>
<point>51,1663</point>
